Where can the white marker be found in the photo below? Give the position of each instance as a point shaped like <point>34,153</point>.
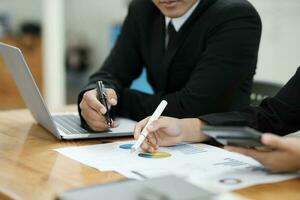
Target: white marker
<point>160,108</point>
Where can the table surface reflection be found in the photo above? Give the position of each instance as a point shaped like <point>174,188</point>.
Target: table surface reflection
<point>30,169</point>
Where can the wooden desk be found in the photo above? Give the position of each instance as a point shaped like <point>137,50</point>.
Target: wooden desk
<point>30,169</point>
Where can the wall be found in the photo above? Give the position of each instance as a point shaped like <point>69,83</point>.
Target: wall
<point>19,11</point>
<point>280,45</point>
<point>90,21</point>
<point>86,21</point>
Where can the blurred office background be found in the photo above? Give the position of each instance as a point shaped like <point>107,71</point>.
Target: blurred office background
<point>66,40</point>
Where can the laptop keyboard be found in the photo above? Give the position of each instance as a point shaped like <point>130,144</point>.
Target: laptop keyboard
<point>70,123</point>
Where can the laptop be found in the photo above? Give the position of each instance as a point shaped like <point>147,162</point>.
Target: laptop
<point>62,125</point>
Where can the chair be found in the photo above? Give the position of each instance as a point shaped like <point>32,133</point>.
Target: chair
<point>262,90</point>
<point>141,84</point>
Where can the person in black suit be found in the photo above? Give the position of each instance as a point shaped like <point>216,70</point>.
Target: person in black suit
<point>200,56</point>
<point>279,115</point>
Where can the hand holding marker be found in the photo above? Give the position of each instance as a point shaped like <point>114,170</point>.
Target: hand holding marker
<point>160,108</point>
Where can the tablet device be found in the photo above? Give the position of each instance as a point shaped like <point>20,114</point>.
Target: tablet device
<point>234,136</point>
<point>160,188</point>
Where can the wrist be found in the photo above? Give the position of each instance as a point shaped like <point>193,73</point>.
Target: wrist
<point>191,130</point>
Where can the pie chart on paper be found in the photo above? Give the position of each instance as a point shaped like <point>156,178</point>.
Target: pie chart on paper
<point>155,155</point>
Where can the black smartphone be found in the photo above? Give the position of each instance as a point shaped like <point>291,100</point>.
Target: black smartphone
<point>234,136</point>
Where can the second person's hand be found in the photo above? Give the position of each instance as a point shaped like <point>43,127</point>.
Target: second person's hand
<point>285,156</point>
<point>93,111</point>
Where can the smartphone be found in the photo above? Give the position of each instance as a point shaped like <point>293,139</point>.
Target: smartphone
<point>234,136</point>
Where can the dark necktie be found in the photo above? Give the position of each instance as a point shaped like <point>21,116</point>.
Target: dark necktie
<point>171,33</point>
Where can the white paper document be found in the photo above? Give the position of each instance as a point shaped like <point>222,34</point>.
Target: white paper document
<point>126,125</point>
<point>207,166</point>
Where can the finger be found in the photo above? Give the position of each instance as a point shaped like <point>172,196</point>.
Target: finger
<point>284,143</point>
<point>97,125</point>
<point>257,155</point>
<point>152,139</point>
<point>294,144</point>
<point>151,149</point>
<point>275,141</point>
<point>152,142</point>
<point>162,122</point>
<point>90,114</point>
<point>156,148</point>
<point>111,96</point>
<point>157,145</point>
<point>139,127</point>
<point>81,104</point>
<point>91,99</point>
<point>145,146</point>
<point>83,115</point>
<point>86,110</point>
<point>151,146</point>
<point>115,124</point>
<point>94,120</point>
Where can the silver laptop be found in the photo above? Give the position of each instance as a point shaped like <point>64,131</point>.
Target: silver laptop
<point>62,126</point>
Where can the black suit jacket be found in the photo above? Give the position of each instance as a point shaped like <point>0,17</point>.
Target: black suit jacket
<point>279,114</point>
<point>207,68</point>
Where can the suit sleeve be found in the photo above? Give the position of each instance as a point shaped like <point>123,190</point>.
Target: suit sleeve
<point>123,64</point>
<point>279,114</point>
<point>230,58</point>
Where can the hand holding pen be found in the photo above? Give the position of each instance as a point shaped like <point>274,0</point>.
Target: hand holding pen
<point>96,113</point>
<point>103,100</point>
<point>142,135</point>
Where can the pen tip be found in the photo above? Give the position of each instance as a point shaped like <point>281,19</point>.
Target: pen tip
<point>132,150</point>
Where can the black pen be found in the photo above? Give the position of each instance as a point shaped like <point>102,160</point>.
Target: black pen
<point>103,101</point>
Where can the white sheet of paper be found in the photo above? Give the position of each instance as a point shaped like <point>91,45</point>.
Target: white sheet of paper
<point>126,125</point>
<point>207,166</point>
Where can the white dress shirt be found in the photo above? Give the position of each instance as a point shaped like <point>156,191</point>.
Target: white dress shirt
<point>179,21</point>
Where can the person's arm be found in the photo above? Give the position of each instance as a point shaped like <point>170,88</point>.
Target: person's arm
<point>123,64</point>
<point>279,114</point>
<point>166,131</point>
<point>229,59</point>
